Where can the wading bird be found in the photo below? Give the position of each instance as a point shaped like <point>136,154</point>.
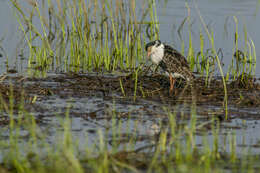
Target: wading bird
<point>170,60</point>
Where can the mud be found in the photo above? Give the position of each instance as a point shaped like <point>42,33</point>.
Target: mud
<point>243,92</point>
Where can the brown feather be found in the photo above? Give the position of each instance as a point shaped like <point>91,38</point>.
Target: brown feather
<point>176,63</point>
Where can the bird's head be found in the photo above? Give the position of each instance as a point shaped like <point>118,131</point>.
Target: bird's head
<point>155,50</point>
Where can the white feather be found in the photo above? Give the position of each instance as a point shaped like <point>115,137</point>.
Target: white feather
<point>176,75</point>
<point>157,54</point>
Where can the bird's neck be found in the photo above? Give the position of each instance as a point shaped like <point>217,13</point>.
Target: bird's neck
<point>157,54</point>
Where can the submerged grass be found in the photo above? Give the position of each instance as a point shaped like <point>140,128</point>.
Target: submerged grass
<point>173,147</point>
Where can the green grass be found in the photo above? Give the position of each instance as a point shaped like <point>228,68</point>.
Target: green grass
<point>243,60</point>
<point>107,35</point>
<point>85,36</point>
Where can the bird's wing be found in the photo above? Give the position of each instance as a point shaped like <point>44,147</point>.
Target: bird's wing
<point>175,62</point>
<point>176,55</point>
<point>172,64</point>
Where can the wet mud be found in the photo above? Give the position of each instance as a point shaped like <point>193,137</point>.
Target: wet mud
<point>244,91</point>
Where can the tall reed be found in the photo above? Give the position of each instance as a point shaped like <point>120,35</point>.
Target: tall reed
<point>100,35</point>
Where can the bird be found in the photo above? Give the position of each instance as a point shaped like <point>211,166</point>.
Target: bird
<point>170,60</point>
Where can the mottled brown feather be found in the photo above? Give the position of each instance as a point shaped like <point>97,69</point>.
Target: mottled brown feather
<point>175,62</point>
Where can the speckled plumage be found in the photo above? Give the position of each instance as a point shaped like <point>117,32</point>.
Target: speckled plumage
<point>175,63</point>
<point>171,61</point>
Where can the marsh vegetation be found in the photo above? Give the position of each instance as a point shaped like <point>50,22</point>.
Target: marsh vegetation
<point>90,101</point>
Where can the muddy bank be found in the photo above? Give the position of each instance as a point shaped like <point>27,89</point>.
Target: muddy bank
<point>92,95</point>
<point>241,92</point>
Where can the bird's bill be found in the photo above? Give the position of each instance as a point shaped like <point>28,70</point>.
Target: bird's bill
<point>149,51</point>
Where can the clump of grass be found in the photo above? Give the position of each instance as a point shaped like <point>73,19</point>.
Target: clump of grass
<point>243,61</point>
<point>78,36</point>
<point>207,59</point>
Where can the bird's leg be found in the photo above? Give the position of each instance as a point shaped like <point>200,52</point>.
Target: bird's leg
<point>172,81</point>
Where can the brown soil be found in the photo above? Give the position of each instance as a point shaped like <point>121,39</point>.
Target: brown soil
<point>241,92</point>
